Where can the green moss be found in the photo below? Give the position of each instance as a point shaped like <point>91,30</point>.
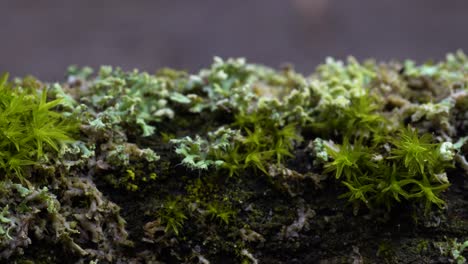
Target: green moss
<point>413,169</point>
<point>186,151</point>
<point>172,215</point>
<point>422,246</point>
<point>418,153</point>
<point>220,212</point>
<point>29,127</point>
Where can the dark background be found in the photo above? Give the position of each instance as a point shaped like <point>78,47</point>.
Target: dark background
<point>42,39</point>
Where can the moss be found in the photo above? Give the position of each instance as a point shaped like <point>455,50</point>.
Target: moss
<point>413,169</point>
<point>172,215</point>
<point>254,143</point>
<point>30,127</point>
<point>232,163</point>
<point>220,212</point>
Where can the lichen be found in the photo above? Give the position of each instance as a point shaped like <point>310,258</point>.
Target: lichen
<point>234,162</point>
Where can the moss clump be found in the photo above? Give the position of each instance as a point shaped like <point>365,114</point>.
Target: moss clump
<point>411,169</point>
<point>172,215</point>
<point>29,124</point>
<point>255,143</point>
<point>234,162</point>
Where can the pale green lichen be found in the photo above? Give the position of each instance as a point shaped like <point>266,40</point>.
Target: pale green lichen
<point>337,84</point>
<point>387,132</point>
<point>122,155</point>
<point>452,72</point>
<point>447,151</point>
<point>5,224</point>
<point>319,151</point>
<point>202,153</point>
<point>234,85</point>
<point>453,249</point>
<point>132,98</point>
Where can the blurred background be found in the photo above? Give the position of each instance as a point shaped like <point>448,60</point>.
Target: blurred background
<point>42,40</point>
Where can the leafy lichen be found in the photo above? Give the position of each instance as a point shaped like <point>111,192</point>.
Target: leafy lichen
<point>187,153</point>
